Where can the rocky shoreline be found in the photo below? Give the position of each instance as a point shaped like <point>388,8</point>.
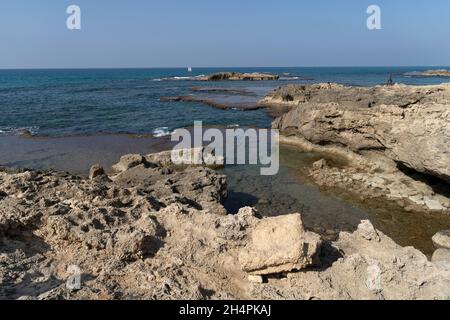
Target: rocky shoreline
<point>395,138</point>
<point>147,229</point>
<point>151,230</point>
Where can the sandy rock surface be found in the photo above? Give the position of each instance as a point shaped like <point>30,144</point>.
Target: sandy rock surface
<point>158,232</point>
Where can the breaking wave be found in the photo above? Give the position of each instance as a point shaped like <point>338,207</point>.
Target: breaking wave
<point>162,132</point>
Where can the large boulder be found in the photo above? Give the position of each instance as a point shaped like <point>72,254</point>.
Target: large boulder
<point>408,124</point>
<point>280,244</point>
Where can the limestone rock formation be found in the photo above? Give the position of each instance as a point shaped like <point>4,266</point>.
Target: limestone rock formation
<point>408,126</point>
<point>159,232</point>
<point>237,76</point>
<point>280,244</point>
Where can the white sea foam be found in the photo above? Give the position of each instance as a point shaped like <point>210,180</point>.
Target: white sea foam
<point>12,130</point>
<point>162,132</point>
<point>180,78</point>
<point>288,78</point>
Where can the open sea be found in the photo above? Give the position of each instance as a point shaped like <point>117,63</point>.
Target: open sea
<point>81,102</point>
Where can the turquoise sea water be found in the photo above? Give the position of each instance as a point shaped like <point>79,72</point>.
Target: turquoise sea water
<point>80,102</point>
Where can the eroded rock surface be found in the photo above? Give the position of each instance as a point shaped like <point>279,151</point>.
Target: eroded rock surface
<point>159,232</point>
<point>407,125</point>
<point>280,244</point>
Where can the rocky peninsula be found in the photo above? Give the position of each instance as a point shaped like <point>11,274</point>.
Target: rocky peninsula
<point>396,138</point>
<point>152,230</point>
<point>442,73</point>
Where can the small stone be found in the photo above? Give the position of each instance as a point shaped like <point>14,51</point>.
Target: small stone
<point>433,204</point>
<point>321,164</point>
<point>368,231</point>
<point>46,202</point>
<point>441,240</point>
<point>256,279</point>
<point>95,171</point>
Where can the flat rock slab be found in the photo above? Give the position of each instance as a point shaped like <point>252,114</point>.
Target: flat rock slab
<point>279,244</point>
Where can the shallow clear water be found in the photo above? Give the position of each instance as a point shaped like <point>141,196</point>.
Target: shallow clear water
<point>327,210</point>
<point>76,102</point>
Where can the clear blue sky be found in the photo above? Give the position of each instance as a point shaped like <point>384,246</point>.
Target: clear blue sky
<point>231,33</point>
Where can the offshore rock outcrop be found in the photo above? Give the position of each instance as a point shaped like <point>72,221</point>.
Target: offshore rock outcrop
<point>155,231</point>
<point>442,73</point>
<point>238,76</point>
<point>391,126</point>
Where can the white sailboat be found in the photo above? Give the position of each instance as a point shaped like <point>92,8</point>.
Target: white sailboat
<point>189,69</point>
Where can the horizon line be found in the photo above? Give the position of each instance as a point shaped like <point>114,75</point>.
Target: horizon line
<point>218,67</point>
